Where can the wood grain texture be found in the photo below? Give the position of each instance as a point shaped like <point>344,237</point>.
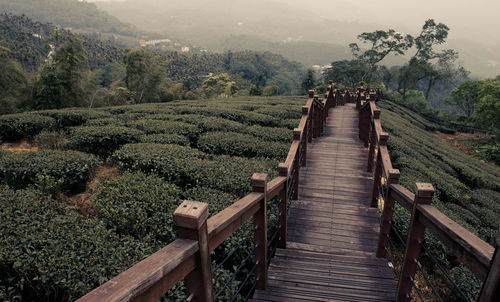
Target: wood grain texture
<point>332,232</point>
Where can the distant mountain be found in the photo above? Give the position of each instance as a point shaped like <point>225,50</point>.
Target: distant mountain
<point>279,26</point>
<point>79,16</point>
<point>31,41</point>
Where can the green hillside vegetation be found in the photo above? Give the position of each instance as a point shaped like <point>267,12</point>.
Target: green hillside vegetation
<point>467,189</point>
<point>59,246</point>
<point>80,16</point>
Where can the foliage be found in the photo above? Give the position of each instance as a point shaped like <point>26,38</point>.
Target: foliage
<point>465,97</point>
<point>103,140</point>
<point>49,140</point>
<point>309,81</point>
<point>73,169</point>
<point>347,72</point>
<point>139,205</point>
<point>488,108</point>
<point>173,139</point>
<point>60,82</point>
<point>245,145</point>
<point>72,117</point>
<point>18,126</point>
<point>166,127</point>
<point>56,254</point>
<point>219,85</point>
<point>13,83</point>
<point>381,44</point>
<point>188,167</point>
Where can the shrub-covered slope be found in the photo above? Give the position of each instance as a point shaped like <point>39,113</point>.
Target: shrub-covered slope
<point>467,189</point>
<point>198,150</point>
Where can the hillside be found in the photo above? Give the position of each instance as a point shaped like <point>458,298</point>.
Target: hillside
<point>467,189</point>
<point>79,16</point>
<point>168,152</point>
<point>30,42</point>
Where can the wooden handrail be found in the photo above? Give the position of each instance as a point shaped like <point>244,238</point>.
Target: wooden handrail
<point>147,280</point>
<point>470,250</point>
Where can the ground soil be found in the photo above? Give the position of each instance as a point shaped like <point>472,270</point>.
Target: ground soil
<point>20,146</point>
<point>457,140</point>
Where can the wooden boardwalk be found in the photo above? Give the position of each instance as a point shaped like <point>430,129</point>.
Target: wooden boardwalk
<point>332,231</point>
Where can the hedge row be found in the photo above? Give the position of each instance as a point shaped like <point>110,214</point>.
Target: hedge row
<point>73,117</point>
<point>245,145</point>
<point>101,140</point>
<point>174,139</point>
<point>165,127</point>
<point>14,127</point>
<point>51,253</point>
<point>187,167</point>
<point>64,170</point>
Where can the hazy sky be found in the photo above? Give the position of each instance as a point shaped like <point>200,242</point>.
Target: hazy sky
<point>472,19</point>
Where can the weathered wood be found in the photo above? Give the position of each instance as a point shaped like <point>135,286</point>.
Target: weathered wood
<point>490,290</point>
<point>259,185</point>
<point>387,212</point>
<point>283,206</point>
<point>191,221</point>
<point>151,278</point>
<point>227,221</point>
<point>371,150</point>
<point>376,182</point>
<point>423,196</point>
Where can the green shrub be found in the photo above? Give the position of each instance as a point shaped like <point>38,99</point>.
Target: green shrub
<point>104,122</point>
<point>187,167</point>
<point>166,127</point>
<point>271,133</point>
<point>14,127</point>
<point>103,140</point>
<point>174,139</point>
<point>247,117</point>
<point>51,253</point>
<point>139,205</point>
<point>245,145</point>
<point>49,140</point>
<point>73,117</point>
<point>71,168</point>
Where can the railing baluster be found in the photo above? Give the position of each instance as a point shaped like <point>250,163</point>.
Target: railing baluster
<point>283,206</point>
<point>373,140</point>
<point>423,195</point>
<point>259,185</point>
<point>490,290</point>
<point>385,227</point>
<point>191,221</point>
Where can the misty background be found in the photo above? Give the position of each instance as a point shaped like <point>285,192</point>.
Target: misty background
<point>316,31</point>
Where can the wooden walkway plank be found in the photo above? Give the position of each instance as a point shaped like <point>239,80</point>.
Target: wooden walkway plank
<point>332,231</point>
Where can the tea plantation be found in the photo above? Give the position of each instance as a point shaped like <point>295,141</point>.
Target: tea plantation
<point>207,151</point>
<point>53,250</point>
<point>467,189</point>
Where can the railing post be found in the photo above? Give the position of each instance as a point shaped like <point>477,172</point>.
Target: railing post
<point>296,166</point>
<point>373,140</point>
<point>423,195</point>
<point>305,135</point>
<point>386,220</point>
<point>378,170</point>
<point>326,98</point>
<point>490,290</point>
<point>259,185</point>
<point>191,221</point>
<point>283,206</point>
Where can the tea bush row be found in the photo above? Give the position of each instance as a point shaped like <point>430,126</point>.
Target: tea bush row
<point>68,171</point>
<point>245,145</point>
<point>14,127</point>
<point>187,167</point>
<point>51,253</point>
<point>101,140</point>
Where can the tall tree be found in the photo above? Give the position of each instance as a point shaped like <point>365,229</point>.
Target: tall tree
<point>13,82</point>
<point>380,44</point>
<point>465,97</point>
<point>346,72</point>
<point>60,82</point>
<point>309,80</point>
<point>420,65</point>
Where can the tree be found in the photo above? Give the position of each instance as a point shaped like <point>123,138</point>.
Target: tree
<point>381,43</point>
<point>309,80</point>
<point>13,83</point>
<point>145,76</point>
<point>219,85</point>
<point>60,82</point>
<point>420,65</point>
<point>488,107</point>
<point>465,97</point>
<point>347,72</point>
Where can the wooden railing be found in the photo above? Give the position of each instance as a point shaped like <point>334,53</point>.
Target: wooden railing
<point>480,257</point>
<point>188,257</point>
